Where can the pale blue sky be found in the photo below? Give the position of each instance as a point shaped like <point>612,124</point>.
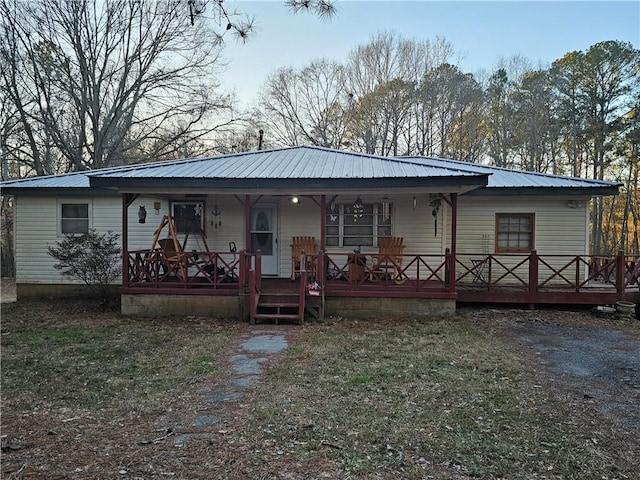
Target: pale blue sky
<point>481,32</point>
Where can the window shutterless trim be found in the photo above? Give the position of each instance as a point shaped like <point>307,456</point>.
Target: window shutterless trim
<point>530,233</point>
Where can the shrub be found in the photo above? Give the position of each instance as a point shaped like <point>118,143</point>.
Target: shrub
<point>93,258</point>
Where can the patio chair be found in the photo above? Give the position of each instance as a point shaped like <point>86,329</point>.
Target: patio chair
<point>387,263</point>
<point>303,246</point>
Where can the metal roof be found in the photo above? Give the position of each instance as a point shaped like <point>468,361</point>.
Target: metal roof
<point>72,183</point>
<point>507,179</point>
<point>293,163</point>
<point>315,167</point>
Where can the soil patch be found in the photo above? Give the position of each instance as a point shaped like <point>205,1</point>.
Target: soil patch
<point>598,361</point>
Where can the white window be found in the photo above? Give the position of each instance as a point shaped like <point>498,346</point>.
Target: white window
<point>350,225</point>
<point>74,218</point>
<point>188,216</point>
<point>515,232</point>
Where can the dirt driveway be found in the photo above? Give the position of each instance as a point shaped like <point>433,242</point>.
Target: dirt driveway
<point>593,360</point>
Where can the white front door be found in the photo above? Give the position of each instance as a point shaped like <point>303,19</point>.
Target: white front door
<point>264,230</point>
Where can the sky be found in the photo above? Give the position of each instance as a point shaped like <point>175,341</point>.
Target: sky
<point>481,32</point>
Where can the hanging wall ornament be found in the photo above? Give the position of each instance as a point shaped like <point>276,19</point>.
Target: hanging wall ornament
<point>435,205</point>
<point>385,209</point>
<point>216,216</point>
<point>358,209</point>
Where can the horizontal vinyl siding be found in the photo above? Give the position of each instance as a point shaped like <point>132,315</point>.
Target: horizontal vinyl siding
<point>415,226</point>
<point>558,229</point>
<point>37,229</point>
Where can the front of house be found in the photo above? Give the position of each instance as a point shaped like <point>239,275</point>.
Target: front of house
<point>465,229</point>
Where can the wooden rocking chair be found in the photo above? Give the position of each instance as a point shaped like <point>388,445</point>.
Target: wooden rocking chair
<point>387,263</point>
<point>303,246</point>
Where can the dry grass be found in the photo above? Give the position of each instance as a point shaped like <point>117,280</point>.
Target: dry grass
<point>426,400</point>
<point>71,357</point>
<point>359,400</point>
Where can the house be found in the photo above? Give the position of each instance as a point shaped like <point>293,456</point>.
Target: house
<point>212,235</point>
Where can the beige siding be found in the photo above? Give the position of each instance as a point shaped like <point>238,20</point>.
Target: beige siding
<point>559,229</point>
<point>37,228</point>
<point>299,220</point>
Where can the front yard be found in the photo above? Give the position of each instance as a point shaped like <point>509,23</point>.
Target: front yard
<point>83,392</point>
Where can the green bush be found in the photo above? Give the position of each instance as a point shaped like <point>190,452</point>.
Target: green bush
<point>93,258</point>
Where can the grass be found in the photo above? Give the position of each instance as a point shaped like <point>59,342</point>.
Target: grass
<point>423,400</point>
<point>360,400</point>
<point>95,360</point>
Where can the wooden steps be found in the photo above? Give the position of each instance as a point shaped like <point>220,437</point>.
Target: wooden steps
<point>278,306</point>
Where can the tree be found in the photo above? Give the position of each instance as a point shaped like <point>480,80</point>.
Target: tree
<point>380,117</point>
<point>608,84</point>
<point>307,106</point>
<point>535,134</point>
<point>93,258</point>
<point>499,118</point>
<point>452,95</point>
<point>97,82</point>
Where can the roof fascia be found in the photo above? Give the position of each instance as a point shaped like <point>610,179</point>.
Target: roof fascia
<point>289,183</point>
<point>67,191</point>
<point>545,191</point>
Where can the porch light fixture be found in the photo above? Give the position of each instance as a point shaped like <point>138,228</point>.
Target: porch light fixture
<point>142,214</point>
<point>415,202</point>
<point>295,199</point>
<point>156,207</point>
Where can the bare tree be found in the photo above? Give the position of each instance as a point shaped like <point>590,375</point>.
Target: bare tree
<point>309,106</point>
<point>380,117</point>
<point>451,95</point>
<point>96,82</point>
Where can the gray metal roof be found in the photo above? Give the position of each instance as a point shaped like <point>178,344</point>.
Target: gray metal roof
<point>72,183</point>
<point>293,163</point>
<point>306,166</point>
<point>504,178</point>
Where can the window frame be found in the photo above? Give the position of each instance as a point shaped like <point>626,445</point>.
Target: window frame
<point>61,219</point>
<point>177,220</point>
<point>376,225</point>
<point>531,234</point>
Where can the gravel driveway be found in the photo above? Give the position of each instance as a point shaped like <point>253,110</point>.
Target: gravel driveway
<point>598,360</point>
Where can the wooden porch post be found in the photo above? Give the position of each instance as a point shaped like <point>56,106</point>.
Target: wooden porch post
<point>127,200</point>
<point>323,223</point>
<point>533,272</point>
<point>454,229</point>
<point>125,244</point>
<point>620,271</point>
<point>247,223</point>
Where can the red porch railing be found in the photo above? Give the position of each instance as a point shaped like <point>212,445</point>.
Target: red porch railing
<point>526,278</point>
<point>209,272</point>
<point>411,275</point>
<point>254,283</point>
<point>547,278</point>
